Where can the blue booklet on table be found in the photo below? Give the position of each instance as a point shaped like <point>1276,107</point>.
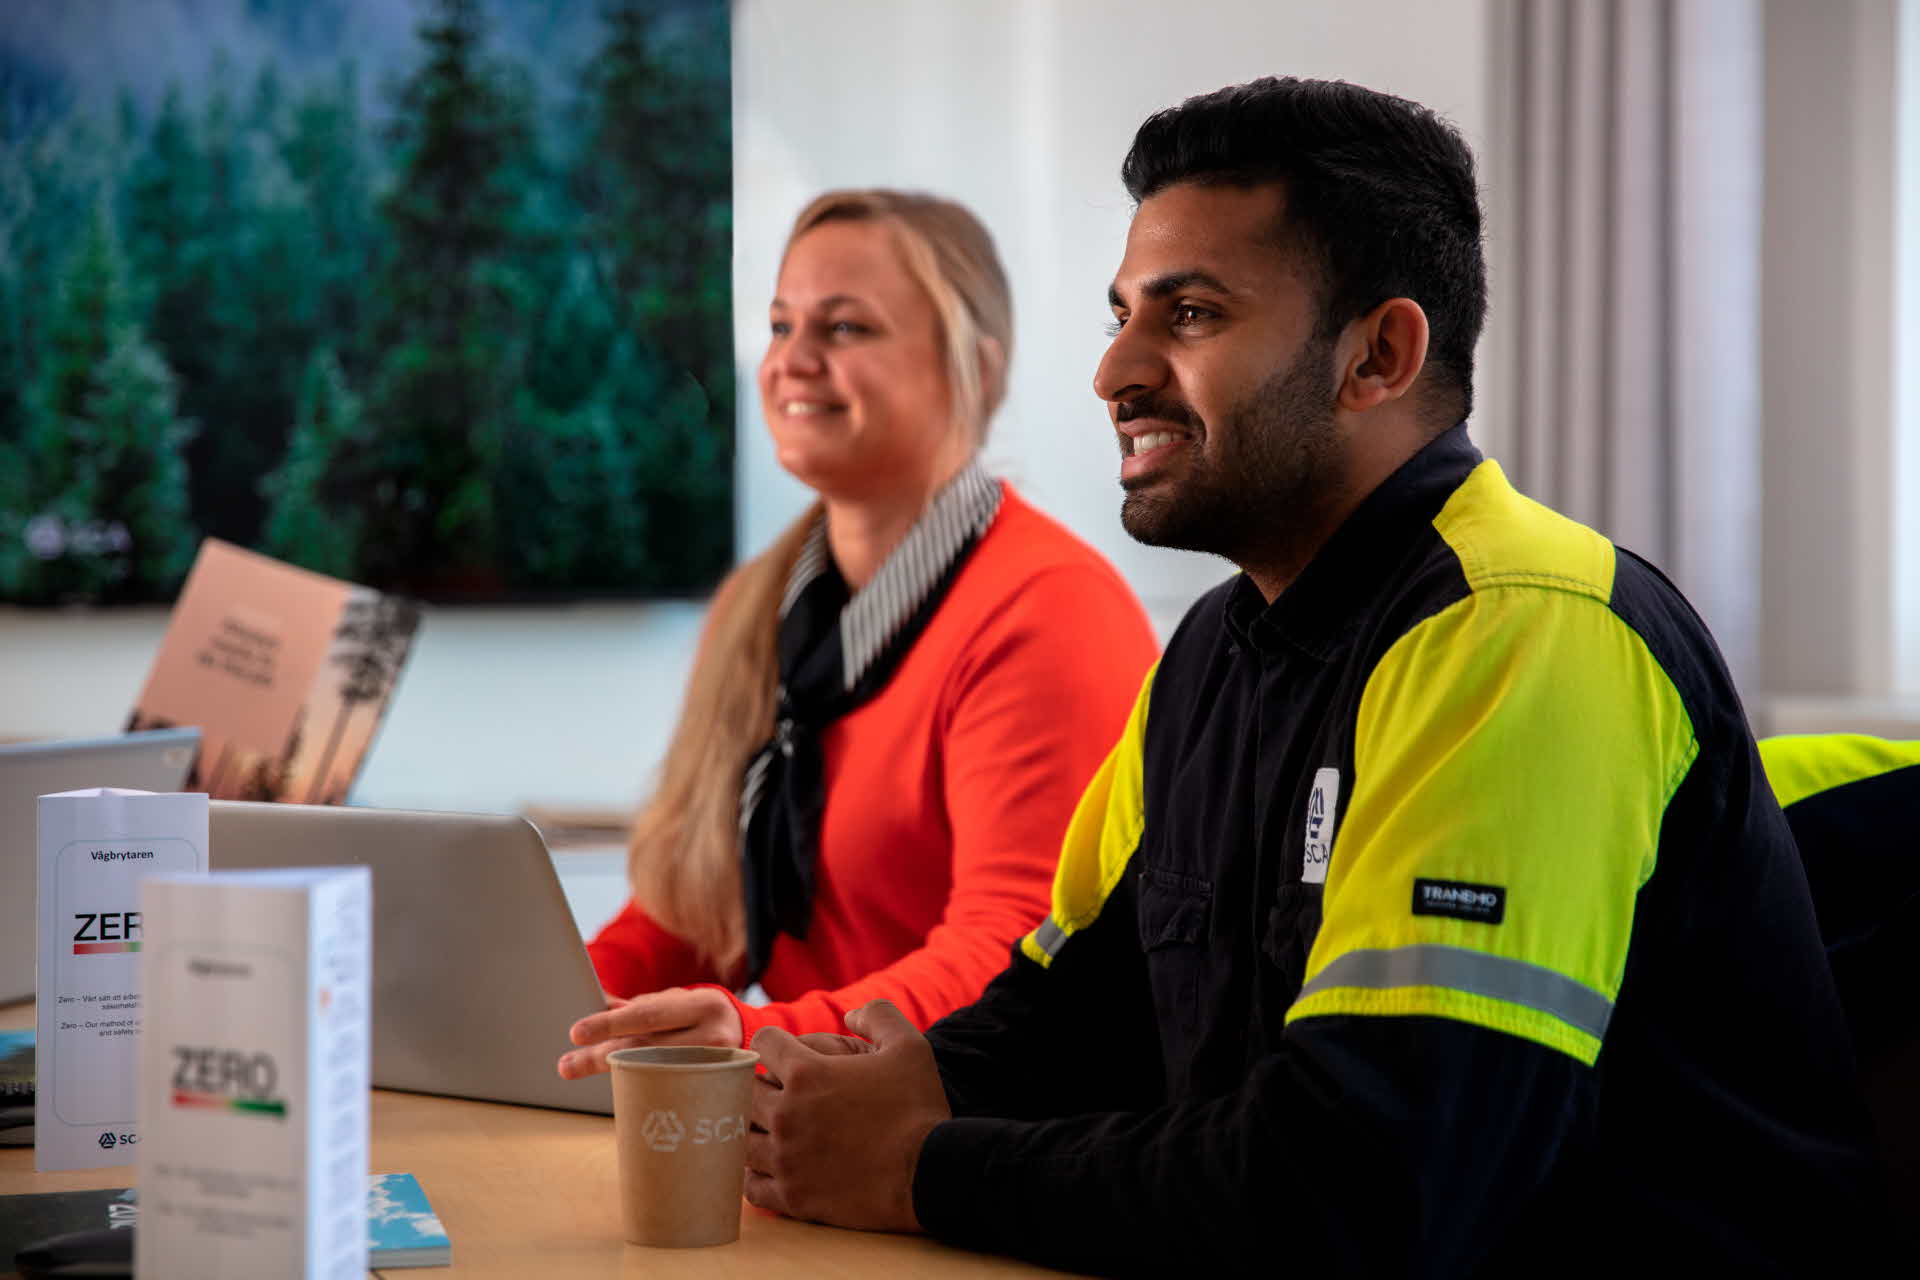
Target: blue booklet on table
<point>402,1230</point>
<point>16,1088</point>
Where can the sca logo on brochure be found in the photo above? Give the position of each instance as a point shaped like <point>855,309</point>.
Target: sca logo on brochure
<point>227,1080</point>
<point>664,1131</point>
<point>105,933</point>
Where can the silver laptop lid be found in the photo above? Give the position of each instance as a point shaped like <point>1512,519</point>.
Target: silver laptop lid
<point>478,967</point>
<point>156,760</point>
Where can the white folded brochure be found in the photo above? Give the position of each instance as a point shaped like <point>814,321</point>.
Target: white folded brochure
<point>254,1074</point>
<point>95,848</point>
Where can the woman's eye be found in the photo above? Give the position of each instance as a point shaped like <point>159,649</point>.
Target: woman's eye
<point>848,328</point>
<point>780,328</point>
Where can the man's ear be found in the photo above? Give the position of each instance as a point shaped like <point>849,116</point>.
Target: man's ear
<point>1381,355</point>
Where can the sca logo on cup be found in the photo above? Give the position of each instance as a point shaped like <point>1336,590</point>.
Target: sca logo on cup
<point>226,1080</point>
<point>109,1140</point>
<point>664,1131</point>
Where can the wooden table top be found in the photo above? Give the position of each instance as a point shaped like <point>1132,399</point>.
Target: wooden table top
<point>528,1192</point>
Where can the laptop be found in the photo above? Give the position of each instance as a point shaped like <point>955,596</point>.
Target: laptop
<point>478,966</point>
<point>156,760</point>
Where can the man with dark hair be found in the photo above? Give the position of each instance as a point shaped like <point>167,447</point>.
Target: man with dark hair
<point>1433,915</point>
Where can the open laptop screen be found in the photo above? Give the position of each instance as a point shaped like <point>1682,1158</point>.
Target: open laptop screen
<point>478,966</point>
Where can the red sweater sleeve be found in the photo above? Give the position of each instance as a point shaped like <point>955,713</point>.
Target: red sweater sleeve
<point>632,953</point>
<point>1037,700</point>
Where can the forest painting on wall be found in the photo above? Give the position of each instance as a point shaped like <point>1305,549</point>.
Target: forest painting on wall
<point>430,295</point>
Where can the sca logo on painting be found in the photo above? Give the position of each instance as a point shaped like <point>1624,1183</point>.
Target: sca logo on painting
<point>664,1130</point>
<point>227,1080</point>
<point>105,933</point>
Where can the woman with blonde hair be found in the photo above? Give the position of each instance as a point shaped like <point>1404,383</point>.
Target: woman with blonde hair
<point>894,708</point>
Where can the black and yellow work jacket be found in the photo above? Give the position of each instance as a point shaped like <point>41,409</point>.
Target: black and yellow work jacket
<point>1435,919</point>
<point>1854,805</point>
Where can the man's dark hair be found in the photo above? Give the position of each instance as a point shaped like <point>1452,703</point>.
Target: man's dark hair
<point>1381,201</point>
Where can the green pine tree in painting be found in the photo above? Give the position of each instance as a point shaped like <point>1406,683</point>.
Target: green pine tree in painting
<point>166,201</point>
<point>313,517</point>
<point>139,474</point>
<point>440,398</point>
<point>660,240</point>
<point>255,303</point>
<point>102,507</point>
<point>226,242</point>
<point>572,460</point>
<point>16,349</point>
<point>658,152</point>
<point>325,150</point>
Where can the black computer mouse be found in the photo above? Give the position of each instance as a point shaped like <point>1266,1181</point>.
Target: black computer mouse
<point>103,1254</point>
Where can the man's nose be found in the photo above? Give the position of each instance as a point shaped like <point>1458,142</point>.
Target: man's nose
<point>1130,367</point>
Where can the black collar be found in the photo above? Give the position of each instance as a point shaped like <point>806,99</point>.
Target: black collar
<point>1315,614</point>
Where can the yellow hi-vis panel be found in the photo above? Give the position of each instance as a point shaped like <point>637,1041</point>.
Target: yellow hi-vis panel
<point>1802,765</point>
<point>1100,840</point>
<point>1524,740</point>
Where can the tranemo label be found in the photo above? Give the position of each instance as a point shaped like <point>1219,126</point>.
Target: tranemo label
<point>1484,903</point>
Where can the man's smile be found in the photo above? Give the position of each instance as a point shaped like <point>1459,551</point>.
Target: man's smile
<point>1147,443</point>
<point>1145,447</point>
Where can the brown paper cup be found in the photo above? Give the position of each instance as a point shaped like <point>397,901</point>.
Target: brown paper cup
<point>680,1119</point>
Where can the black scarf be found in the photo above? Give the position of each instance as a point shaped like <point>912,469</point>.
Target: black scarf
<point>837,651</point>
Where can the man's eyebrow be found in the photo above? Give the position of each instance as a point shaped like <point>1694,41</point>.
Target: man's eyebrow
<point>1173,282</point>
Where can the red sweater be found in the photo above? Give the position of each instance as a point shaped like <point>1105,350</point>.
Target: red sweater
<point>947,793</point>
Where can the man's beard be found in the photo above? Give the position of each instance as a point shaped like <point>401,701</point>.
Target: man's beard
<point>1262,471</point>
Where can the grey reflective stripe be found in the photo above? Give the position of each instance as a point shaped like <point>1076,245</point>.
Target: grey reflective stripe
<point>1475,972</point>
<point>1049,937</point>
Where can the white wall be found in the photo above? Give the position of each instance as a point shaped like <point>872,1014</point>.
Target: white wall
<point>498,708</point>
<point>1022,110</point>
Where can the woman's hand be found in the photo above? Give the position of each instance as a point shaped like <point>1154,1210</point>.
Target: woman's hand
<point>678,1015</point>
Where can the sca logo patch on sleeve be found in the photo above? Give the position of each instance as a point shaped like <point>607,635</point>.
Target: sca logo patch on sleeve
<point>1484,903</point>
